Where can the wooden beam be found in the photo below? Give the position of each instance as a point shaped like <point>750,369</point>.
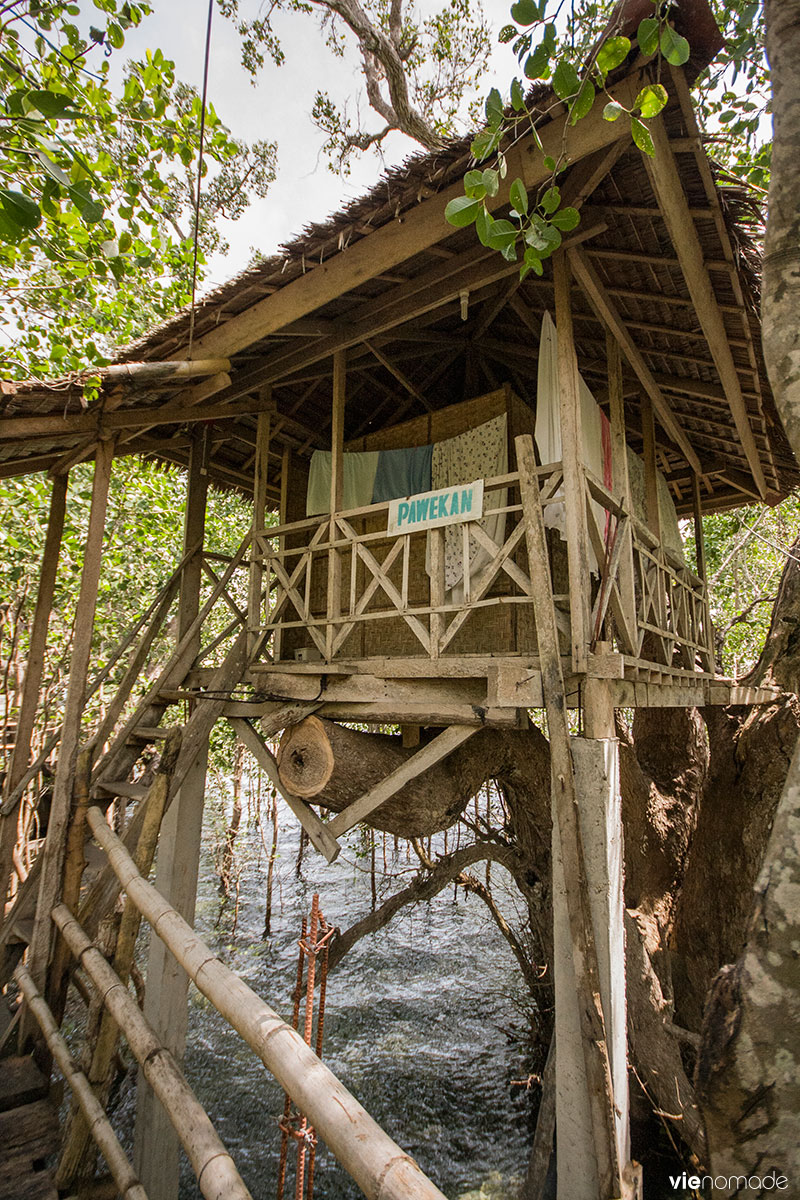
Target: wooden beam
<point>418,229</point>
<point>593,288</point>
<point>320,835</point>
<point>260,481</point>
<point>573,459</point>
<point>55,844</point>
<point>56,424</point>
<point>621,480</point>
<point>650,468</point>
<point>402,379</point>
<point>443,744</point>
<point>671,197</point>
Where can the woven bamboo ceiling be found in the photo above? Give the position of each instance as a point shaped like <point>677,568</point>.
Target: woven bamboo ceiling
<point>429,317</point>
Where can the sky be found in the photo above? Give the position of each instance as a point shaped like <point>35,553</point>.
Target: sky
<point>278,109</point>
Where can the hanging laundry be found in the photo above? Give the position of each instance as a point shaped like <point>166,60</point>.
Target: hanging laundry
<point>480,453</point>
<point>359,470</point>
<point>596,431</point>
<point>402,473</point>
<point>667,513</point>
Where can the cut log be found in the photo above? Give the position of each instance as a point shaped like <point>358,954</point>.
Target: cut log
<point>305,758</point>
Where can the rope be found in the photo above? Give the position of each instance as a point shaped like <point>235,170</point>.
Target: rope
<point>200,174</point>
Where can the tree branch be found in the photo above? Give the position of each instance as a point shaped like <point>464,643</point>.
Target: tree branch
<point>383,50</point>
<point>423,887</point>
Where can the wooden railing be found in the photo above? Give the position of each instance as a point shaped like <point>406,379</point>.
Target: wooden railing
<point>329,576</point>
<point>648,601</point>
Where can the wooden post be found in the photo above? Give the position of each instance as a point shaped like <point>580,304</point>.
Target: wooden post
<point>56,842</point>
<point>337,492</point>
<point>260,479</point>
<point>157,1149</point>
<point>622,485</point>
<point>699,539</point>
<point>595,759</point>
<point>650,467</point>
<point>599,1147</point>
<point>572,459</point>
<point>34,669</point>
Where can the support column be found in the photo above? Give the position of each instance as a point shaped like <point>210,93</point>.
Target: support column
<point>572,458</point>
<point>650,466</point>
<point>596,764</point>
<point>621,485</point>
<point>157,1149</point>
<point>34,670</point>
<point>260,477</point>
<point>337,492</point>
<point>55,844</point>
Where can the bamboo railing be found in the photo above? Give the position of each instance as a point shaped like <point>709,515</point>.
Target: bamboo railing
<point>375,1162</point>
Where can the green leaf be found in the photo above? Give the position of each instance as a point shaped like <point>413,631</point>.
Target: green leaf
<point>519,197</point>
<point>550,200</point>
<point>536,64</point>
<point>613,51</point>
<point>525,12</point>
<point>507,34</point>
<point>566,219</point>
<point>502,234</point>
<point>647,35</point>
<point>483,226</point>
<point>674,47</point>
<point>549,163</point>
<point>651,100</point>
<point>582,104</point>
<point>565,80</point>
<point>20,209</point>
<point>642,138</point>
<point>462,211</point>
<point>542,237</point>
<point>484,143</point>
<point>474,185</point>
<point>533,261</point>
<point>49,104</point>
<point>517,96</point>
<point>612,110</point>
<point>494,108</point>
<point>491,181</point>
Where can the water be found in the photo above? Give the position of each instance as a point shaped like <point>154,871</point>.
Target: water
<point>416,1025</point>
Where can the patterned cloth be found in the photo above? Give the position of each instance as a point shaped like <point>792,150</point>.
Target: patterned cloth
<point>479,453</point>
<point>359,481</point>
<point>402,473</point>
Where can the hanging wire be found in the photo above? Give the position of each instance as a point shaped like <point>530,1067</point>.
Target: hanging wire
<point>200,173</point>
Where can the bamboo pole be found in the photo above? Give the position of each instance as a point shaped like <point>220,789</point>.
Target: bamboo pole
<point>213,1166</point>
<point>76,1138</point>
<point>376,1163</point>
<point>334,604</point>
<point>97,1122</point>
<point>55,844</point>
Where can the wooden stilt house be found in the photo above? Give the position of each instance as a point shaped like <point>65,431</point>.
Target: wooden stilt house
<point>466,493</point>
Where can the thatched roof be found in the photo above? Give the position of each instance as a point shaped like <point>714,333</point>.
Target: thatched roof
<point>409,346</point>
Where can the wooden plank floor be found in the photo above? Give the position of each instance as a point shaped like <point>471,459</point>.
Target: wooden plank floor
<point>28,1132</point>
